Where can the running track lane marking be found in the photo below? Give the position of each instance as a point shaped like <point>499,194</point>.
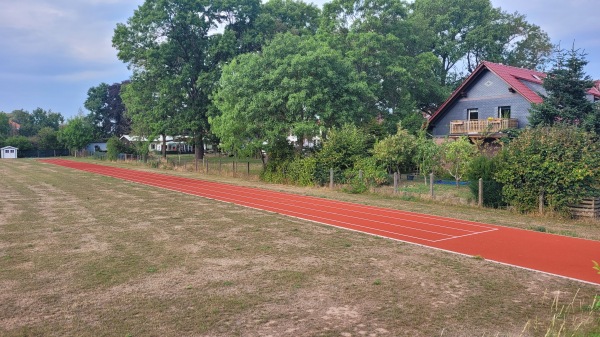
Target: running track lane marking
<point>557,255</point>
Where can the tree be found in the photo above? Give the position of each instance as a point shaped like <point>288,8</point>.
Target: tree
<point>397,152</point>
<point>549,166</point>
<point>176,44</point>
<point>565,100</point>
<point>376,36</point>
<point>469,31</point>
<point>47,139</point>
<point>4,125</point>
<point>286,16</point>
<point>456,156</point>
<point>297,85</point>
<point>107,110</point>
<point>427,154</point>
<point>21,142</point>
<point>77,133</point>
<point>39,118</point>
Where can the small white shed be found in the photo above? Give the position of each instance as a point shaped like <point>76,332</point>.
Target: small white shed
<point>8,152</point>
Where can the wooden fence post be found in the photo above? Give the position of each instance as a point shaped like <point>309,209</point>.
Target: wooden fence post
<point>331,178</point>
<point>431,184</point>
<point>248,169</point>
<point>480,201</point>
<point>206,162</point>
<point>395,182</point>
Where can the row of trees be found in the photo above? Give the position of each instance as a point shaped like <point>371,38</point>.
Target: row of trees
<point>37,129</point>
<point>251,73</point>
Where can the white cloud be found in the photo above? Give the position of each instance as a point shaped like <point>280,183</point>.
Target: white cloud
<point>35,28</point>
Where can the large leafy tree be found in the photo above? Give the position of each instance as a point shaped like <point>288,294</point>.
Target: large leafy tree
<point>549,166</point>
<point>77,133</point>
<point>175,42</point>
<point>282,16</point>
<point>149,108</point>
<point>377,37</point>
<point>566,85</point>
<point>465,32</point>
<point>4,125</point>
<point>47,139</point>
<point>296,85</point>
<point>32,123</point>
<point>107,110</point>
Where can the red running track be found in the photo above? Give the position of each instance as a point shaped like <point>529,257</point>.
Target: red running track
<point>558,255</point>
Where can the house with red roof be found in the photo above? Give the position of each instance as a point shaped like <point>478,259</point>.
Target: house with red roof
<point>493,98</point>
<point>14,127</point>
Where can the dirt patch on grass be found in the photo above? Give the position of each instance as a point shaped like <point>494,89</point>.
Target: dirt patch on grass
<point>93,256</point>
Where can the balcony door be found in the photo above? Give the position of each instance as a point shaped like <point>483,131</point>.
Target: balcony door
<point>504,112</point>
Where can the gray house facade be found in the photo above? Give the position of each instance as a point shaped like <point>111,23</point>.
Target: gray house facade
<point>494,97</point>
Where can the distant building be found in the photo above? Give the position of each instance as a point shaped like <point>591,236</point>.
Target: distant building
<point>9,152</point>
<point>494,97</point>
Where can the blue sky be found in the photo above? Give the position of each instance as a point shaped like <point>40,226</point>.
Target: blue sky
<point>53,51</point>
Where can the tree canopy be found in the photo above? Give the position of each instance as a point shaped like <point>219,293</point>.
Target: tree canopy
<point>107,110</point>
<point>297,85</point>
<point>176,44</point>
<point>77,133</point>
<point>565,100</point>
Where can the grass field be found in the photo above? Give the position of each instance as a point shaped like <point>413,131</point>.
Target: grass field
<point>87,255</point>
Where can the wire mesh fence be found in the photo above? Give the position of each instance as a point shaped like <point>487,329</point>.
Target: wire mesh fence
<point>409,186</point>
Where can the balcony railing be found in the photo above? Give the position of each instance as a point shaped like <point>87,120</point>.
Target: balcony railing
<point>482,126</point>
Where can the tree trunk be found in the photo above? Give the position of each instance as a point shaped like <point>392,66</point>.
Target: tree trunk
<point>164,146</point>
<point>199,148</point>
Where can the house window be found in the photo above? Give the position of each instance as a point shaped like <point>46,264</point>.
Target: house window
<point>473,114</point>
<point>153,146</point>
<point>504,112</point>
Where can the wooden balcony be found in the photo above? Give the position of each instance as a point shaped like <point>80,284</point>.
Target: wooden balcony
<point>482,126</point>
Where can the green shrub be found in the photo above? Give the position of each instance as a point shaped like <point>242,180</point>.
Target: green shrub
<point>301,171</point>
<point>558,165</point>
<point>342,148</point>
<point>485,168</point>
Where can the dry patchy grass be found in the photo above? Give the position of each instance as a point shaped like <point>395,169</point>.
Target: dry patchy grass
<point>87,255</point>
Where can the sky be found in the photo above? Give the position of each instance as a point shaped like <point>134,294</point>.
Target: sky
<point>53,51</point>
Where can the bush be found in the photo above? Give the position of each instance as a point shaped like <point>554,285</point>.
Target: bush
<point>558,165</point>
<point>114,146</point>
<point>373,174</point>
<point>340,151</point>
<point>301,171</point>
<point>485,168</point>
<point>21,142</point>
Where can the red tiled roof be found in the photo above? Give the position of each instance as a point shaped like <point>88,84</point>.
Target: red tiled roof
<point>14,125</point>
<point>595,90</point>
<point>513,76</point>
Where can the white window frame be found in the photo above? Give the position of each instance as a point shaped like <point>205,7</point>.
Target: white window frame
<point>470,111</point>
